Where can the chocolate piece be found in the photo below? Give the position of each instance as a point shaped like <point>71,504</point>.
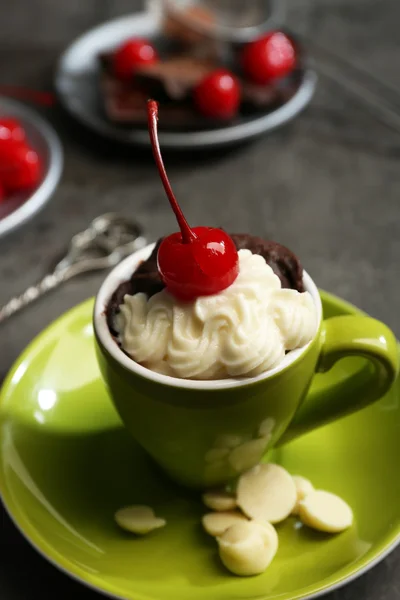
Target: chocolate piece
<point>269,96</point>
<point>124,102</point>
<point>282,261</point>
<point>260,96</point>
<point>177,75</point>
<point>105,59</point>
<point>146,278</point>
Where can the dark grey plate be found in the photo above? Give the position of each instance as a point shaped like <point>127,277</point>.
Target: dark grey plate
<point>77,87</point>
<point>18,210</point>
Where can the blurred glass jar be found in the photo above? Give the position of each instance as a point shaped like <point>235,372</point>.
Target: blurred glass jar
<point>233,21</point>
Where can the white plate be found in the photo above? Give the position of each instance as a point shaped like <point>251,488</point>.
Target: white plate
<point>77,86</point>
<point>44,140</point>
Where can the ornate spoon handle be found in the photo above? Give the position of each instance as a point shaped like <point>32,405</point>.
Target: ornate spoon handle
<point>49,282</point>
<point>107,240</point>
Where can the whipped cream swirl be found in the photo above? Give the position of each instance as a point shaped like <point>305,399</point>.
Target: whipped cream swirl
<point>243,331</point>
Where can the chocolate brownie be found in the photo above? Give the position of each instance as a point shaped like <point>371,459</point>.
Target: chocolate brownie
<point>175,76</point>
<point>147,280</point>
<point>170,82</point>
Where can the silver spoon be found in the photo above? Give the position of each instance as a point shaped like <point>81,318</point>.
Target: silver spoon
<point>107,240</point>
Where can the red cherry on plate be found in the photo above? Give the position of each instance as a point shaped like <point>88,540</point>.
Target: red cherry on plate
<point>21,169</point>
<point>12,130</point>
<point>11,134</point>
<point>195,262</point>
<point>132,54</point>
<point>218,95</point>
<point>271,57</point>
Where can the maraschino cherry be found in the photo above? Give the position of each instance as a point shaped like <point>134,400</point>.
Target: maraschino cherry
<point>132,54</point>
<point>195,262</point>
<point>11,132</point>
<point>218,95</point>
<point>271,57</point>
<point>21,169</point>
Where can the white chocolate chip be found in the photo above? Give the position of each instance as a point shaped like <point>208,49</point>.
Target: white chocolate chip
<point>138,519</point>
<point>248,548</point>
<point>248,454</point>
<point>219,500</point>
<point>217,523</point>
<point>266,493</point>
<point>303,488</point>
<point>325,511</point>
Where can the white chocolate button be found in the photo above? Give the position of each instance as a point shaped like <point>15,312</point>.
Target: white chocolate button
<point>217,523</point>
<point>138,519</point>
<point>325,511</point>
<point>266,493</point>
<point>248,548</point>
<point>219,500</point>
<point>248,454</point>
<point>303,488</point>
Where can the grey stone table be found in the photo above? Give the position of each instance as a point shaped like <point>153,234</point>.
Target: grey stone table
<point>328,186</point>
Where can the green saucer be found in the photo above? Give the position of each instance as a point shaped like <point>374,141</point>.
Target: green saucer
<point>67,465</point>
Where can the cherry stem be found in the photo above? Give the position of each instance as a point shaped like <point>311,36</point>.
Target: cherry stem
<point>188,234</point>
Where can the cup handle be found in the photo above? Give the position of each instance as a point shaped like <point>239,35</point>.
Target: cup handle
<point>340,337</point>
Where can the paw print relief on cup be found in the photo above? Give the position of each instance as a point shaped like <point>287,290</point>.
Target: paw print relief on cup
<point>248,454</point>
<point>228,441</point>
<point>240,452</point>
<point>217,457</point>
<point>266,427</point>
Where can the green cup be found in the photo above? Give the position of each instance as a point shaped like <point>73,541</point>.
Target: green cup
<point>205,433</point>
